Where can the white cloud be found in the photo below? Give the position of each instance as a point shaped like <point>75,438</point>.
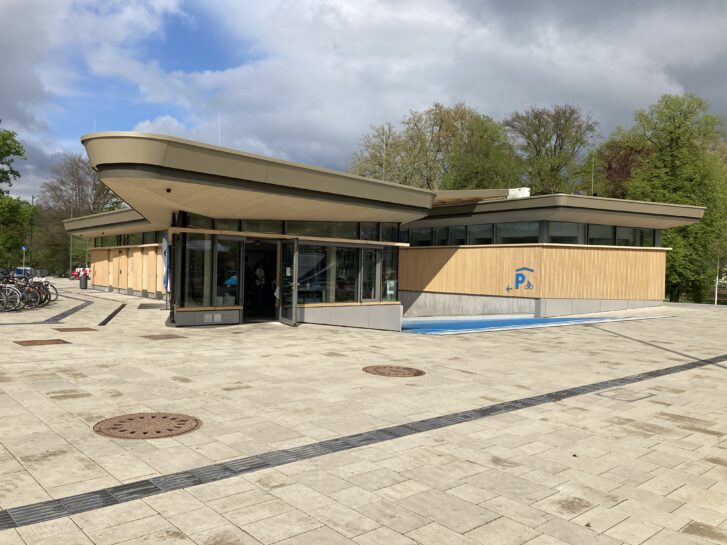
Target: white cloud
<point>323,70</point>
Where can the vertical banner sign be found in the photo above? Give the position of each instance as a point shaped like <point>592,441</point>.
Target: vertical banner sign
<point>165,262</point>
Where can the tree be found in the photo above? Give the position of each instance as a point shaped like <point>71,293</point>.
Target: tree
<point>419,153</point>
<point>482,157</point>
<point>74,190</point>
<point>15,217</point>
<point>682,165</point>
<point>550,142</point>
<point>10,149</point>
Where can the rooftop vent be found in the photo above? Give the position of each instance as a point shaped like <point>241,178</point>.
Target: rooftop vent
<point>518,193</point>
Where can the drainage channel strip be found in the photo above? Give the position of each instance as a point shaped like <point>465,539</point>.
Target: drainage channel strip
<point>113,314</point>
<point>89,501</point>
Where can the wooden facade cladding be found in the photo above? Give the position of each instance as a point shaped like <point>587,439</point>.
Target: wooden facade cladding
<point>548,271</point>
<point>139,268</point>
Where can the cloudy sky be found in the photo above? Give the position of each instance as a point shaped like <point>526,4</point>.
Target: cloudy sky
<point>304,79</point>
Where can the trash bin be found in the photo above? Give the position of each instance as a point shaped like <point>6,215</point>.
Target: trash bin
<point>84,282</point>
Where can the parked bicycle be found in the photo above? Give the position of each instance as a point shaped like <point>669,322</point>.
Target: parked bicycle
<point>24,292</point>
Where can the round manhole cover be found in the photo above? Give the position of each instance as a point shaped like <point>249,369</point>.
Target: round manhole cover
<point>393,371</point>
<point>147,425</point>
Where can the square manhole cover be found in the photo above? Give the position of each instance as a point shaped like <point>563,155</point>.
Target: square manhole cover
<point>41,342</point>
<point>74,329</point>
<point>624,394</point>
<point>163,337</point>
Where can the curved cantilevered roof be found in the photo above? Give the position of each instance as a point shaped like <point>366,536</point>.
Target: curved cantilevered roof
<point>160,175</point>
<point>562,207</point>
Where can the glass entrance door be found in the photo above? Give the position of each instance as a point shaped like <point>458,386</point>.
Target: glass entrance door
<point>288,281</point>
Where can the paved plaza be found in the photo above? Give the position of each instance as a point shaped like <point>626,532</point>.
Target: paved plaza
<point>641,462</point>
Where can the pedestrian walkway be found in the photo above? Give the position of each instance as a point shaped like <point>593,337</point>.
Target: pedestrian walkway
<point>601,433</point>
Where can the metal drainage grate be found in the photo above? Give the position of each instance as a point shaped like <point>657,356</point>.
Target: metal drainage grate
<point>74,329</point>
<point>149,306</point>
<point>147,425</point>
<point>163,337</point>
<point>41,342</point>
<point>393,371</point>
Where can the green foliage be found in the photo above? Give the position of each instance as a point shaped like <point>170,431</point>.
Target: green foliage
<point>15,215</point>
<point>550,142</point>
<point>10,149</point>
<point>419,153</point>
<point>680,165</point>
<point>482,157</point>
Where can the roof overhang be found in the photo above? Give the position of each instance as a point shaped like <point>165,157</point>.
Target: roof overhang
<point>160,175</point>
<point>116,222</point>
<point>566,208</point>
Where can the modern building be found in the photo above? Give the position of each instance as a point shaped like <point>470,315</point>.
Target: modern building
<point>240,237</point>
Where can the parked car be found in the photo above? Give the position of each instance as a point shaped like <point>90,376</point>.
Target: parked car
<point>24,271</point>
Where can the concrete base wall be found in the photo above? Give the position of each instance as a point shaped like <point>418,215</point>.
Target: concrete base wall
<point>387,317</point>
<point>207,317</point>
<point>417,303</point>
<point>547,308</point>
<point>135,293</point>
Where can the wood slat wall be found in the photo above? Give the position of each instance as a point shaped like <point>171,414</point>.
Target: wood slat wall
<point>138,268</point>
<point>561,272</point>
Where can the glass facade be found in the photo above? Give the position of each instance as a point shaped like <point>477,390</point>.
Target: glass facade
<point>600,235</point>
<point>369,268</point>
<point>560,232</point>
<point>626,236</point>
<point>389,274</point>
<point>135,239</point>
<point>262,226</point>
<point>457,235</point>
<point>555,232</point>
<point>229,278</point>
<point>421,236</point>
<point>197,267</point>
<point>480,234</point>
<point>441,236</point>
<point>647,238</point>
<point>521,232</point>
<point>330,274</point>
<point>385,231</point>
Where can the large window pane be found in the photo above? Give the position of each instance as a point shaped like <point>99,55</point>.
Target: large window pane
<point>520,232</point>
<point>389,232</point>
<point>228,272</point>
<point>347,269</point>
<point>324,229</point>
<point>262,226</point>
<point>136,238</point>
<point>194,220</point>
<point>227,225</point>
<point>441,236</point>
<point>328,274</point>
<point>368,273</point>
<point>313,274</point>
<point>389,274</point>
<point>600,235</point>
<point>560,232</point>
<point>457,235</point>
<point>648,239</point>
<point>480,234</point>
<point>625,236</point>
<point>369,231</point>
<point>421,236</point>
<point>197,269</point>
